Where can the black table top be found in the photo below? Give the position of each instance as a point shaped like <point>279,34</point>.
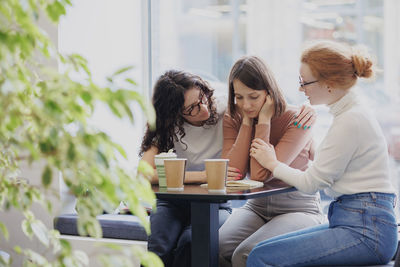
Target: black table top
<point>198,193</point>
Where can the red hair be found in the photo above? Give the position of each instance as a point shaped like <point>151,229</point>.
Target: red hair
<point>337,65</point>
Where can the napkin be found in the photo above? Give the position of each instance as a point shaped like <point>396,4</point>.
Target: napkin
<point>244,184</point>
<point>241,184</point>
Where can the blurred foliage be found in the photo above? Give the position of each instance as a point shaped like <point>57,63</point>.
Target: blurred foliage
<point>44,117</point>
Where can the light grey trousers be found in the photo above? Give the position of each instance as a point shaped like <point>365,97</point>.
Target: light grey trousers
<point>263,218</point>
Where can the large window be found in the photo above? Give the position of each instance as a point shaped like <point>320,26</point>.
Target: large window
<point>208,36</point>
<point>204,37</point>
<point>108,34</point>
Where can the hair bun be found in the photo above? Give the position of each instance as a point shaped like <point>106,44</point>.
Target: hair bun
<point>362,63</point>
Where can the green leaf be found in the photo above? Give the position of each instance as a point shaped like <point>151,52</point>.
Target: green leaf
<point>145,168</point>
<point>147,259</point>
<point>55,10</point>
<point>102,159</point>
<point>115,109</point>
<point>87,97</point>
<point>129,80</point>
<point>147,107</point>
<point>53,107</point>
<point>128,111</point>
<point>26,228</point>
<point>71,153</point>
<point>40,231</point>
<point>4,230</point>
<point>66,246</point>
<point>122,70</point>
<point>4,261</point>
<point>121,150</point>
<point>35,258</point>
<point>81,257</point>
<point>89,225</point>
<point>47,176</point>
<point>18,249</point>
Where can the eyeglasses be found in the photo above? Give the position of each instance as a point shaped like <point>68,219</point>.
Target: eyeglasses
<point>304,84</point>
<point>194,109</point>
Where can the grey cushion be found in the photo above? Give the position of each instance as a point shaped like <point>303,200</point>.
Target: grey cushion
<point>113,225</point>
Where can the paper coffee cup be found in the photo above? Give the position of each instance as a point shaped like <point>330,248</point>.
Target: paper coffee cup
<point>159,162</point>
<point>216,171</point>
<point>175,173</point>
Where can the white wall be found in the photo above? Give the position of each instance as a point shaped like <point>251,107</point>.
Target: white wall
<point>108,34</point>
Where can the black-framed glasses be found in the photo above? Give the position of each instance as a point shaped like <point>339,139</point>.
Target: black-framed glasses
<point>194,109</point>
<point>304,84</point>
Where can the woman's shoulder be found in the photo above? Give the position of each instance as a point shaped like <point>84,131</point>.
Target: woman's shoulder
<point>291,110</point>
<point>289,114</point>
<point>230,121</point>
<point>221,102</point>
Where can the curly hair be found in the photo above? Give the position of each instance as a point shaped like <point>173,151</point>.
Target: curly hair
<point>168,101</point>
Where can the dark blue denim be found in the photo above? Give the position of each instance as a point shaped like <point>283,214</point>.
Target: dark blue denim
<point>171,231</point>
<point>362,230</point>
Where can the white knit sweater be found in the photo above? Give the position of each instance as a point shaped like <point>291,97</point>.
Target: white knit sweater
<point>351,159</point>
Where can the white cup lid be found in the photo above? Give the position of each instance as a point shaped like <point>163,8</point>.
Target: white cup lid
<point>166,155</point>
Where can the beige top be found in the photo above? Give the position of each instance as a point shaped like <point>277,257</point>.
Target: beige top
<point>294,146</point>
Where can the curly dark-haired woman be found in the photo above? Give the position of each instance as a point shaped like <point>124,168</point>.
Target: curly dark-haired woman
<point>189,120</point>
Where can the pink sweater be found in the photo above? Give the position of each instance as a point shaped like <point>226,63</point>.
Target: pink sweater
<point>293,146</point>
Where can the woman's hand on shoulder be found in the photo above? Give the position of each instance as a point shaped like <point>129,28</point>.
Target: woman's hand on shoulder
<point>305,118</point>
<point>267,110</point>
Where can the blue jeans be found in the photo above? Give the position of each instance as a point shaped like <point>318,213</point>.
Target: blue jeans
<point>171,231</point>
<point>362,230</point>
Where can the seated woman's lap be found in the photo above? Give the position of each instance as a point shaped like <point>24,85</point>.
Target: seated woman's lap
<point>316,246</point>
<point>171,232</point>
<point>360,232</point>
<point>167,224</point>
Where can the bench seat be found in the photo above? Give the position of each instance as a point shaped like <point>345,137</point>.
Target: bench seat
<point>117,226</point>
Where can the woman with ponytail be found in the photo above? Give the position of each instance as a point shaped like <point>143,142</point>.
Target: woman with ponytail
<point>351,165</point>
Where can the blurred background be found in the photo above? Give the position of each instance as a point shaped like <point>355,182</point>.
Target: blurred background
<point>207,36</point>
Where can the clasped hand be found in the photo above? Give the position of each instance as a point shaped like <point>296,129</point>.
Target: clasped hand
<point>264,153</point>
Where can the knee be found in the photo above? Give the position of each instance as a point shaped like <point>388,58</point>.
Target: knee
<point>185,238</point>
<point>221,242</point>
<point>225,254</point>
<point>224,248</point>
<point>254,259</point>
<point>158,246</point>
<point>240,255</point>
